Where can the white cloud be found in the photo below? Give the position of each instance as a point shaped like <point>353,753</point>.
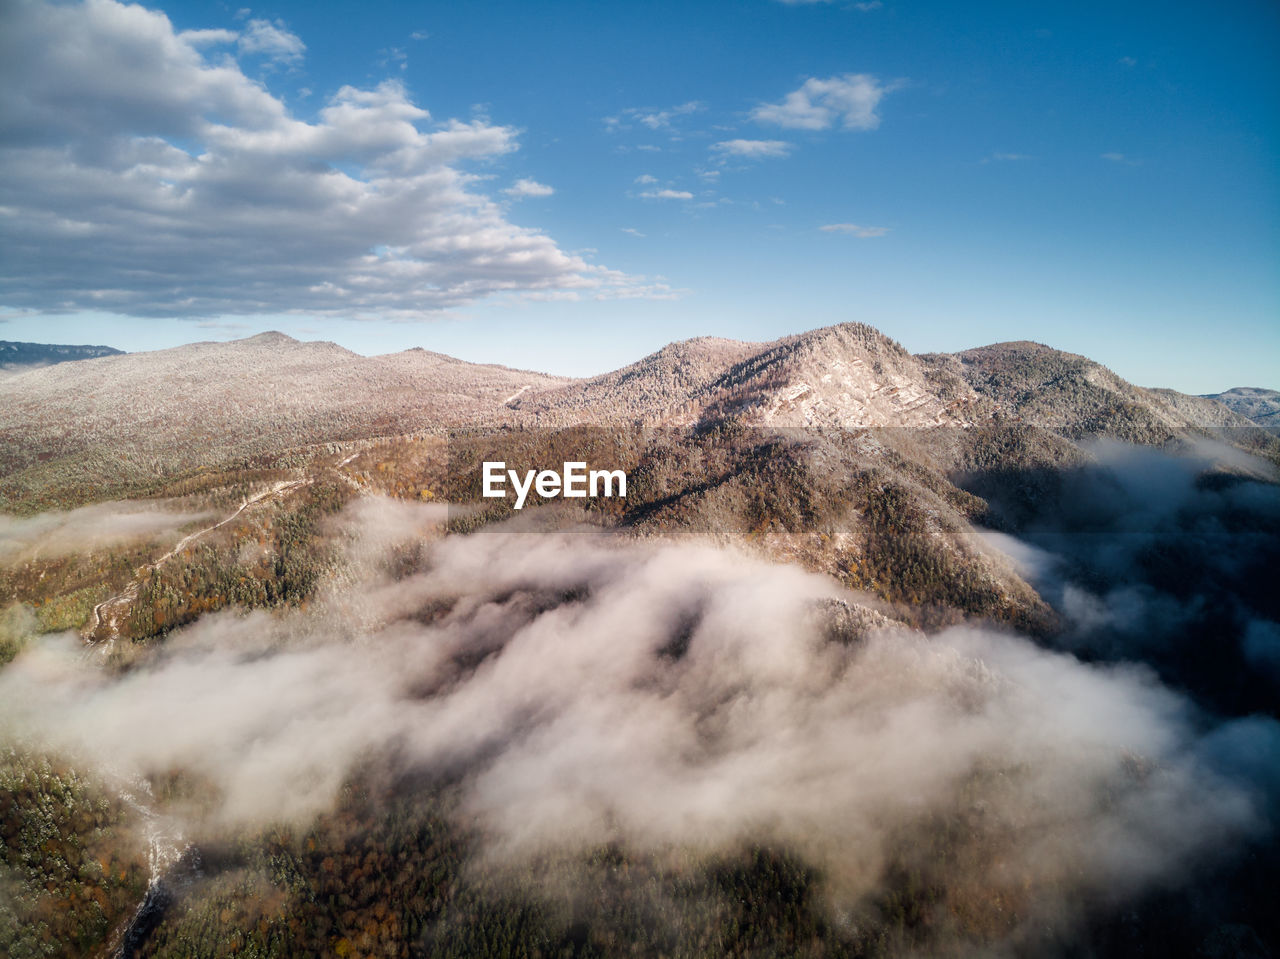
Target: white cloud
<point>200,38</point>
<point>141,178</point>
<point>1121,158</point>
<point>661,119</point>
<point>419,35</point>
<point>646,178</point>
<point>273,41</point>
<point>651,117</point>
<point>526,187</point>
<point>752,149</point>
<point>667,195</point>
<point>869,6</point>
<point>850,100</point>
<point>393,56</point>
<point>631,229</point>
<point>853,229</point>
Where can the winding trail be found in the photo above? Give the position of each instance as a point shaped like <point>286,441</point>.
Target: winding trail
<point>512,398</point>
<point>110,613</point>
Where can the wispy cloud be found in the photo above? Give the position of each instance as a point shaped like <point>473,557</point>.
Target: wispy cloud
<point>1121,158</point>
<point>1006,157</point>
<point>652,118</point>
<point>646,178</point>
<point>850,100</point>
<point>393,56</point>
<point>751,149</point>
<point>853,229</point>
<point>631,230</point>
<point>667,195</point>
<point>272,40</point>
<point>526,188</point>
<point>864,7</point>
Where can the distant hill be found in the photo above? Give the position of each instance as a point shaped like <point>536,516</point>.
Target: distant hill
<point>1259,405</point>
<point>22,356</point>
<point>122,420</point>
<point>120,423</point>
<point>1040,386</point>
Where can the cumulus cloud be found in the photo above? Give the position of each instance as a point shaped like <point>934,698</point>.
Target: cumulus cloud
<point>143,177</point>
<point>525,187</point>
<point>752,149</point>
<point>853,229</point>
<point>850,100</point>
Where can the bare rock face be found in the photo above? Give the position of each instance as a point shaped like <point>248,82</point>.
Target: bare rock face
<point>846,376</point>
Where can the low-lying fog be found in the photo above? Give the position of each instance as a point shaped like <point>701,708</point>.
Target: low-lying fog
<point>584,689</point>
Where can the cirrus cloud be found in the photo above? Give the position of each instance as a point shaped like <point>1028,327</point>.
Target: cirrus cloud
<point>141,177</point>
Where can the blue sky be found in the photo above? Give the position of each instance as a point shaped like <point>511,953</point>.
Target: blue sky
<point>567,186</point>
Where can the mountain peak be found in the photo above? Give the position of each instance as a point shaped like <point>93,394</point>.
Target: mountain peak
<point>270,338</point>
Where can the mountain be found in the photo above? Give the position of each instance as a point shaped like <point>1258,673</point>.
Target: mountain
<point>21,356</point>
<point>1035,384</point>
<point>849,375</point>
<point>117,423</point>
<point>343,701</point>
<point>665,386</point>
<point>1257,404</point>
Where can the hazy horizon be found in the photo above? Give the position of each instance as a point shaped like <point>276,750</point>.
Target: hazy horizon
<point>479,358</point>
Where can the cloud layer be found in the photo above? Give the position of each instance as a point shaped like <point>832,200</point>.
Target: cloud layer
<point>583,691</point>
<point>144,173</point>
<point>88,528</point>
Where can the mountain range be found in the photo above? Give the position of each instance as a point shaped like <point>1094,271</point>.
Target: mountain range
<point>15,356</point>
<point>244,575</point>
<point>115,421</point>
